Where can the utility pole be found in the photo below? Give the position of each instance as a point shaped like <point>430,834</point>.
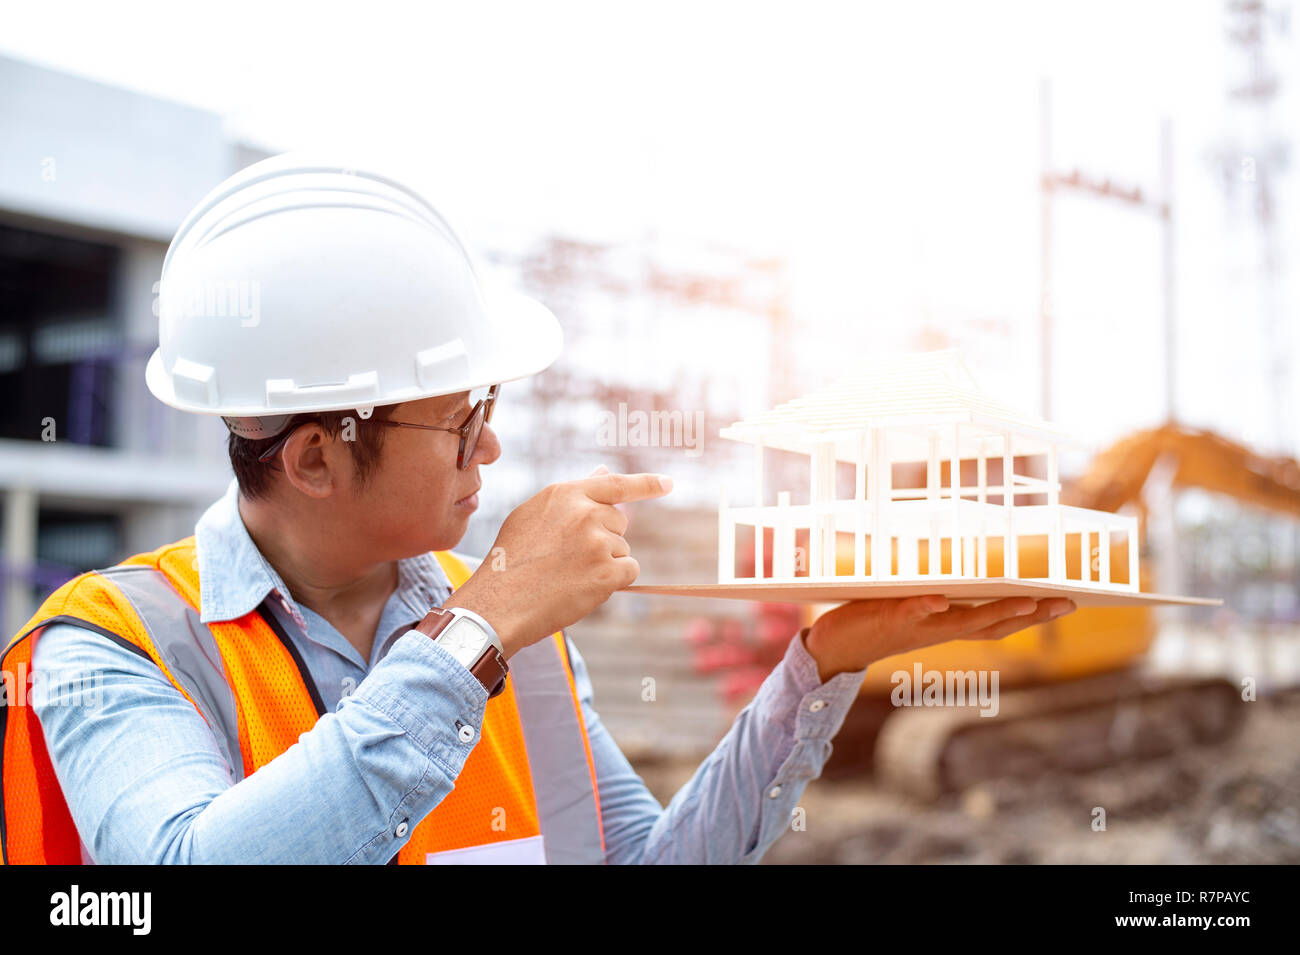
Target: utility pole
<point>1250,161</point>
<point>1045,258</point>
<point>1075,182</point>
<point>1165,211</point>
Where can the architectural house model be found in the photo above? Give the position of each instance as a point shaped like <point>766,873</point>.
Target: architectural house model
<point>952,492</point>
<point>971,517</point>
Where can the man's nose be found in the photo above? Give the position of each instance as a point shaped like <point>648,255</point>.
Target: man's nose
<point>488,450</point>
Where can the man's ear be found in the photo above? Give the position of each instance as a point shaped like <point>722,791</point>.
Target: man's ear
<point>311,462</point>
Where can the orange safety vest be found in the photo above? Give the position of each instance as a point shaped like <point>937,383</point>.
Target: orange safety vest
<point>530,773</point>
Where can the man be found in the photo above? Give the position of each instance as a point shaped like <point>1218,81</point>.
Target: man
<point>315,676</point>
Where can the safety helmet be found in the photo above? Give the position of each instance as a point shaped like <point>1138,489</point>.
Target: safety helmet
<point>302,285</point>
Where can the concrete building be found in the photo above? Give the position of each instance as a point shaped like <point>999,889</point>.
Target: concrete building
<point>93,182</point>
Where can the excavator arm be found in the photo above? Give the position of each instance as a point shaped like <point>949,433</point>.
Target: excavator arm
<point>1200,459</point>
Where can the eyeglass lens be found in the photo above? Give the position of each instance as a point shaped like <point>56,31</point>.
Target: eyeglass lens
<point>471,437</point>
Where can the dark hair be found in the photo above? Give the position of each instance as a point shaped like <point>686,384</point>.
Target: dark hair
<point>254,476</point>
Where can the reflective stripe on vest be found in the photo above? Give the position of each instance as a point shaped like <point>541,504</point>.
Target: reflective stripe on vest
<point>530,771</point>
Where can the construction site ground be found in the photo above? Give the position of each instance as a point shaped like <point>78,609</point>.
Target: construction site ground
<point>1236,802</point>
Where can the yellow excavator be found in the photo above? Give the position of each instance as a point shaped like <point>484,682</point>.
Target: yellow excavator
<point>1071,693</point>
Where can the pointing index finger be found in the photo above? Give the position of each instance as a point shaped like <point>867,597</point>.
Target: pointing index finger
<point>620,488</point>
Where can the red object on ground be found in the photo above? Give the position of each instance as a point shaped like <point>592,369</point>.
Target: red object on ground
<point>743,652</point>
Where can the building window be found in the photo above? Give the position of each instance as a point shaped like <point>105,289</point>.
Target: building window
<point>60,337</point>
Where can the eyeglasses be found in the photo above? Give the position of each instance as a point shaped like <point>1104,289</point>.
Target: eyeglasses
<point>469,430</point>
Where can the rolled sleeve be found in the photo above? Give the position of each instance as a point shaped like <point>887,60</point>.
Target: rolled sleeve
<point>813,712</point>
<point>415,672</point>
<point>742,797</point>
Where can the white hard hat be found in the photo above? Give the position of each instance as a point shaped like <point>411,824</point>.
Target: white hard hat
<point>299,285</point>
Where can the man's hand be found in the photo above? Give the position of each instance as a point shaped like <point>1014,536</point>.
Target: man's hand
<point>857,634</point>
<point>558,557</point>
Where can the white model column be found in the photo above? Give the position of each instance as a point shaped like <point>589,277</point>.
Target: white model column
<point>826,521</point>
<point>821,526</point>
<point>982,544</point>
<point>882,492</point>
<point>1134,575</point>
<point>935,562</point>
<point>1010,557</point>
<point>909,547</point>
<point>814,521</point>
<point>1103,554</point>
<point>783,539</point>
<point>954,475</point>
<point>726,542</point>
<point>1056,541</point>
<point>861,495</point>
<point>1085,557</point>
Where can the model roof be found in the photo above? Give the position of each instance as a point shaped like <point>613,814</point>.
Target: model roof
<point>909,395</point>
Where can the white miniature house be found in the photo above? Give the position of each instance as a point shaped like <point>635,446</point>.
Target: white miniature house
<point>919,411</point>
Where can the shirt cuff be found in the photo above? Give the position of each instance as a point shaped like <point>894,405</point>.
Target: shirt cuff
<point>811,713</point>
<point>438,702</point>
<point>794,696</point>
<point>819,701</point>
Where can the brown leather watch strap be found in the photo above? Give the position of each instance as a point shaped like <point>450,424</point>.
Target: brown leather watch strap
<point>490,669</point>
<point>435,622</point>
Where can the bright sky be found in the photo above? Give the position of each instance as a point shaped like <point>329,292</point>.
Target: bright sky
<point>889,150</point>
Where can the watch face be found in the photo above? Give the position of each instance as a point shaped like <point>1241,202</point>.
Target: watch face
<point>463,640</point>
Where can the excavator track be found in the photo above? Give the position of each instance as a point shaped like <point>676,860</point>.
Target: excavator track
<point>1078,726</point>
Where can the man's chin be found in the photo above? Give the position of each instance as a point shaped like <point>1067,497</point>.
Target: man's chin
<point>449,535</point>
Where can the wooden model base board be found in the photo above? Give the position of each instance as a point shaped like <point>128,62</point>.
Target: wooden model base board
<point>968,591</point>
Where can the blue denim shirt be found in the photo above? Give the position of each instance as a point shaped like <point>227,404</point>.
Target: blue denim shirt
<point>146,782</point>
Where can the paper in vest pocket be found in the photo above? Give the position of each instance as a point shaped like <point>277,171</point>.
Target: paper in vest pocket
<point>527,851</point>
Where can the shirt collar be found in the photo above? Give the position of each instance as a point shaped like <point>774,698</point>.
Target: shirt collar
<point>234,577</point>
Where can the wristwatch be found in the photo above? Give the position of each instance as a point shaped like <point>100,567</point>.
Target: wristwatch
<point>471,640</point>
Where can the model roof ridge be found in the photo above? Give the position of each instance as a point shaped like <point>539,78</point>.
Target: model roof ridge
<point>849,408</point>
